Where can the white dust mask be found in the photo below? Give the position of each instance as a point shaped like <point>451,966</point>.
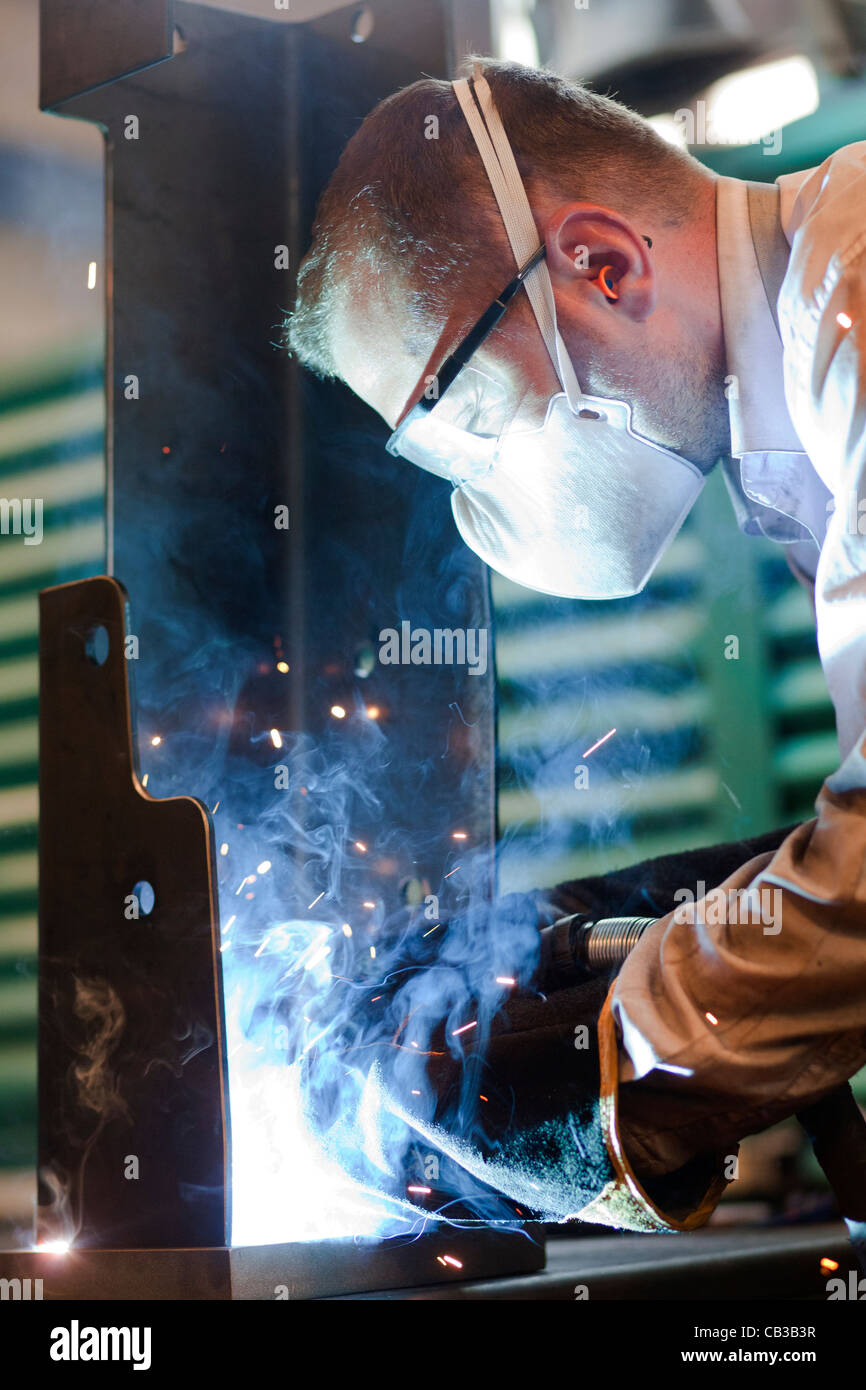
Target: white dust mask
<point>581,507</point>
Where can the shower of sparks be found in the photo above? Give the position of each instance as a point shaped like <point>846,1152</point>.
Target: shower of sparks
<point>844,320</point>
<point>156,740</point>
<point>711,1017</point>
<point>829,1265</point>
<point>280,946</point>
<point>215,808</point>
<point>450,1260</point>
<point>608,735</point>
<point>91,276</point>
<point>465,1028</point>
<point>484,1098</point>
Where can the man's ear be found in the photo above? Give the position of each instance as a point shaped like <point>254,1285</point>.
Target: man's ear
<point>601,254</point>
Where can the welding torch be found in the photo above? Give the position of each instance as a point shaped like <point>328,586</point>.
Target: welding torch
<point>579,945</point>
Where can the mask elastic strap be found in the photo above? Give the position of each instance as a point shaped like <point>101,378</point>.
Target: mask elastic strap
<point>504,175</point>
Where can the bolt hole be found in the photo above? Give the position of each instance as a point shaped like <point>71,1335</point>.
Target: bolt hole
<point>97,645</point>
<point>365,660</point>
<point>413,891</point>
<point>363,23</point>
<point>146,897</point>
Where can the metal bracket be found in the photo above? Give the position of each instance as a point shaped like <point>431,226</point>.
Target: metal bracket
<point>132,1089</point>
<point>85,43</point>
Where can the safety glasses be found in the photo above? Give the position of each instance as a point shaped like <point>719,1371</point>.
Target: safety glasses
<point>452,430</point>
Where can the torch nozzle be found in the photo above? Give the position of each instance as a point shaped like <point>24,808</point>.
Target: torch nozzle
<point>577,946</point>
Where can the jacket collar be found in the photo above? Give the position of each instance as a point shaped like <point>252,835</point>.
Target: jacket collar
<point>768,476</point>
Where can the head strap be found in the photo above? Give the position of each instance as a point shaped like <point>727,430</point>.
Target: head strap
<point>498,158</point>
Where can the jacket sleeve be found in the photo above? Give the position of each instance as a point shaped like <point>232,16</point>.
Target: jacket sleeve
<point>753,1004</point>
<point>742,1008</point>
<point>822,320</point>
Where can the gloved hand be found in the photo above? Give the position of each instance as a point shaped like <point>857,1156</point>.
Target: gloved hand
<point>501,1079</point>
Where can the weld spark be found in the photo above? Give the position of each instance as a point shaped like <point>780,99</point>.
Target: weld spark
<point>599,743</point>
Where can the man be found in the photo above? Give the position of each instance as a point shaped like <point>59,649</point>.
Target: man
<point>657,317</point>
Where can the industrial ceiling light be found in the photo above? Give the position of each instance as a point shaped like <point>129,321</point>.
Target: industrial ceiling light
<point>746,106</point>
<point>515,38</point>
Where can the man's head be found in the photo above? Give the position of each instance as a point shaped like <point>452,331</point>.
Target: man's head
<point>409,248</point>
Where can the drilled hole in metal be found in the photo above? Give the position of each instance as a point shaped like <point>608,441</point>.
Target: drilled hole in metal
<point>365,660</point>
<point>363,23</point>
<point>146,897</point>
<point>97,645</point>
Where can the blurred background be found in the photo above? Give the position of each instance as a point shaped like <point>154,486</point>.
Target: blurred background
<point>705,748</point>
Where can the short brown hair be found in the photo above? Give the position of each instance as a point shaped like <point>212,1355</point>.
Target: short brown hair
<point>404,204</point>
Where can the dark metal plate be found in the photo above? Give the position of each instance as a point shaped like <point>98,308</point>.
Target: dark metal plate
<point>85,43</point>
<point>132,1131</point>
<point>711,1264</point>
